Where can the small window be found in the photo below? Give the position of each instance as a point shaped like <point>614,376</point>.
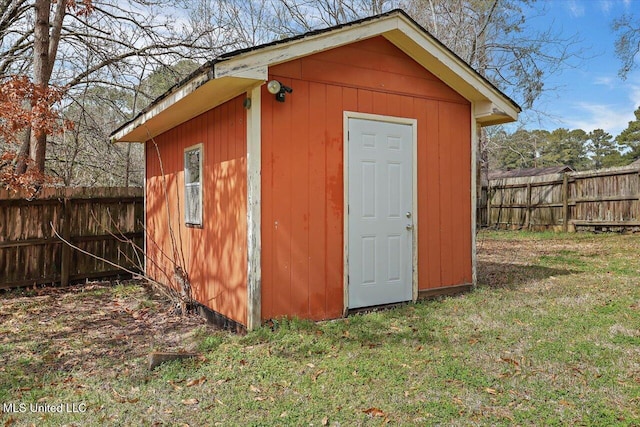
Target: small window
<point>193,185</point>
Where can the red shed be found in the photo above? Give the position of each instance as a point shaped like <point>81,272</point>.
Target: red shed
<point>318,174</point>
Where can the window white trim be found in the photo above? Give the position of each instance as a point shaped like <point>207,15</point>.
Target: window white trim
<point>193,219</point>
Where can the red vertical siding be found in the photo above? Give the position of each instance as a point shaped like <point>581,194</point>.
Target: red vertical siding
<point>335,201</point>
<point>300,289</point>
<point>317,192</point>
<point>302,173</point>
<point>215,255</point>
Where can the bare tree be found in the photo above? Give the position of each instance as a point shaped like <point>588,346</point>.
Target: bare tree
<point>495,38</point>
<point>627,43</point>
<point>74,44</point>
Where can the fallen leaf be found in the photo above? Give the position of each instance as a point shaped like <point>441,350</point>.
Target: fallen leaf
<point>510,360</point>
<point>196,381</point>
<point>175,386</point>
<point>192,401</point>
<point>121,399</point>
<point>284,414</point>
<point>374,412</point>
<point>311,365</point>
<point>325,421</point>
<point>254,389</point>
<point>491,391</point>
<point>317,374</point>
<point>12,420</point>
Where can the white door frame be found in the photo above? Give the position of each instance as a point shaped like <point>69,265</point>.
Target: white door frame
<point>414,259</point>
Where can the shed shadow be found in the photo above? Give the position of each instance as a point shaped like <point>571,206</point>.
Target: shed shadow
<point>512,276</point>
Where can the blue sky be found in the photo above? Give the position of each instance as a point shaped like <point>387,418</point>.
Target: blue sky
<point>590,95</point>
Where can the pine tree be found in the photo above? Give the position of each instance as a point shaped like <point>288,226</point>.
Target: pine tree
<point>604,150</point>
<point>566,147</point>
<point>630,138</point>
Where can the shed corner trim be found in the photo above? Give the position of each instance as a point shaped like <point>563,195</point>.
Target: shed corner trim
<point>254,206</point>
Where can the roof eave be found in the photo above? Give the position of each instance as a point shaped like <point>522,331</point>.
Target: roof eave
<point>231,74</point>
<point>492,105</point>
<point>193,97</point>
<point>489,113</point>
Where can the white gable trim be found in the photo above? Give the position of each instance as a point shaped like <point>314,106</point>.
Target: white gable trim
<point>229,77</point>
<point>253,61</point>
<point>495,107</point>
<point>492,106</point>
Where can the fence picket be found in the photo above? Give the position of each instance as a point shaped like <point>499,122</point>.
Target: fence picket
<point>91,218</point>
<point>602,200</point>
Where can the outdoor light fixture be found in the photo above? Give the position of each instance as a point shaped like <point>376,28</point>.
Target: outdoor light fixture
<point>278,89</point>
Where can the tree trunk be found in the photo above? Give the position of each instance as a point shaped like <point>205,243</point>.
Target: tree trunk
<point>40,77</point>
<point>39,145</point>
<point>127,171</point>
<point>45,49</point>
<point>21,165</point>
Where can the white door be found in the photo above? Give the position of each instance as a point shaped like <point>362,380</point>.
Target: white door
<point>380,212</point>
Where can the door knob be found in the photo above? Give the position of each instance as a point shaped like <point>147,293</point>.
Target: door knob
<point>409,227</point>
<point>408,214</point>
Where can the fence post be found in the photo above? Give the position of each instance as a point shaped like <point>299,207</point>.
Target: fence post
<point>65,232</point>
<point>565,202</point>
<point>527,218</point>
<point>488,203</point>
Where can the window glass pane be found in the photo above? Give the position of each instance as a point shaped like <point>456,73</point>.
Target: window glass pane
<point>192,186</point>
<point>192,165</point>
<point>192,204</point>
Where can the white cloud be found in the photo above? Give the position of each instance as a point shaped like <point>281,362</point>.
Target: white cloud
<point>634,95</point>
<point>612,114</point>
<point>606,5</point>
<point>590,116</point>
<point>575,8</point>
<point>607,81</point>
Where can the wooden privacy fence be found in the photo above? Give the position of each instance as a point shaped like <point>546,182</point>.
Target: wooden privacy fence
<point>96,220</point>
<point>602,200</point>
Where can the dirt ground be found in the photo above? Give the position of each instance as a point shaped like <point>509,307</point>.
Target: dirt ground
<point>81,326</point>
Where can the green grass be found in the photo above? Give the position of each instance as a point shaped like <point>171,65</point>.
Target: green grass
<point>551,336</point>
